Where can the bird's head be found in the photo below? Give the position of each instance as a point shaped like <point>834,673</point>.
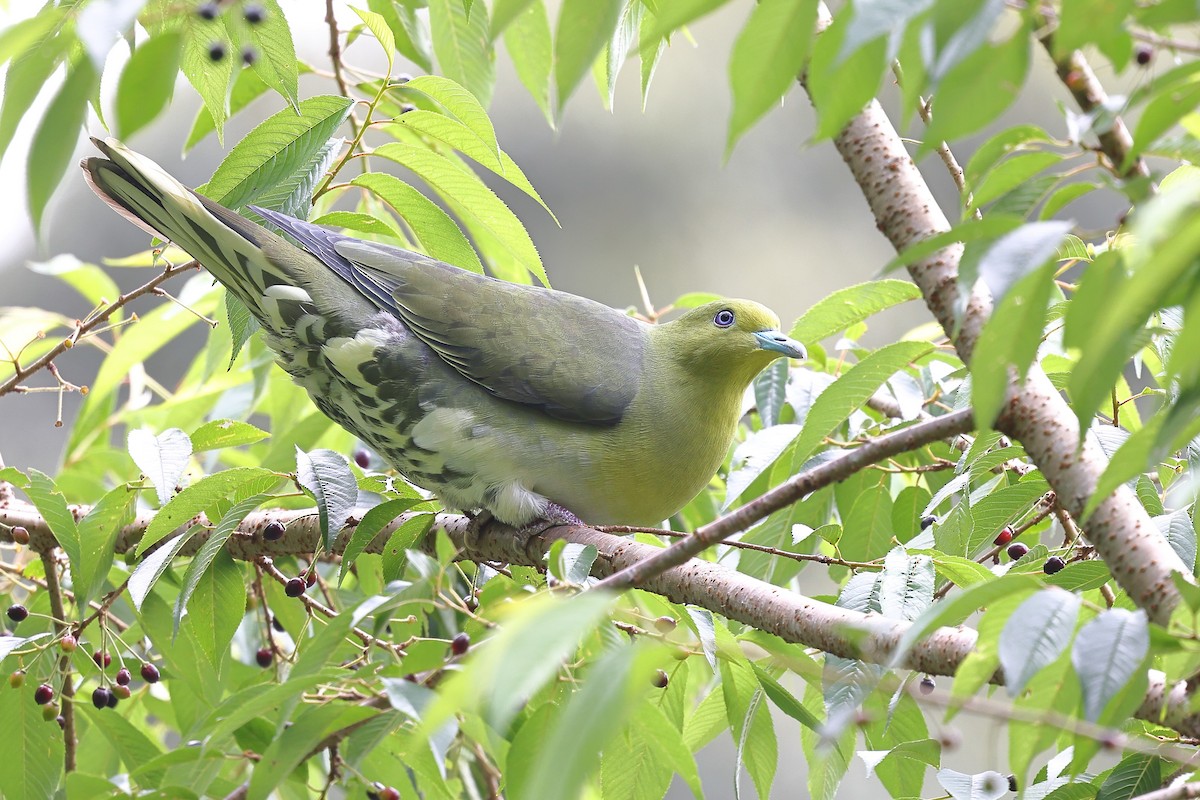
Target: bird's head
<point>734,339</point>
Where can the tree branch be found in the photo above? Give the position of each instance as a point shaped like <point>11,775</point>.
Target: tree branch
<point>1036,415</point>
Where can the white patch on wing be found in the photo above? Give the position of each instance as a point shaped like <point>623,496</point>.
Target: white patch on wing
<point>347,355</point>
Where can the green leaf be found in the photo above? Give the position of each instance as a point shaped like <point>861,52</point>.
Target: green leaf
<point>436,232</point>
<point>162,459</point>
<point>25,78</point>
<point>371,524</point>
<point>767,59</point>
<point>147,83</point>
<point>1107,653</point>
<point>32,766</point>
<point>88,279</point>
<point>1006,141</point>
<point>1035,636</point>
<point>979,89</point>
<point>241,325</point>
<point>584,27</point>
<point>770,389</point>
<point>784,700</point>
<point>1138,774</point>
<point>152,567</point>
<point>750,724</point>
<point>529,45</point>
<point>326,476</point>
<point>202,495</point>
<point>1010,174</point>
<point>271,41</point>
<point>507,12</point>
<point>220,433</point>
<point>475,200</point>
<point>671,16</point>
<point>18,39</point>
<point>1179,531</point>
<point>409,23</point>
<point>463,107</point>
<point>990,227</point>
<point>51,504</point>
<point>357,221</point>
<point>379,26</point>
<point>463,46</point>
<point>210,623</point>
<point>128,742</point>
<point>217,607</point>
<point>275,150</point>
<point>210,78</point>
<point>56,135</point>
<point>840,88</point>
<point>905,585</point>
<point>868,526</point>
<point>850,392</point>
<point>98,534</point>
<point>289,748</point>
<point>246,88</point>
<point>849,306</point>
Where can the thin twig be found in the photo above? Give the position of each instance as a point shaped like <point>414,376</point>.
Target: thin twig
<point>54,591</point>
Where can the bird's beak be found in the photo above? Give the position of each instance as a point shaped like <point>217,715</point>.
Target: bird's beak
<point>777,342</point>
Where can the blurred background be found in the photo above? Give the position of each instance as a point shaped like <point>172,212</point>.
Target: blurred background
<point>781,222</point>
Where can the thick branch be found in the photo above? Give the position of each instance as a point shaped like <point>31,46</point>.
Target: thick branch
<point>791,616</point>
<point>789,492</point>
<point>905,211</point>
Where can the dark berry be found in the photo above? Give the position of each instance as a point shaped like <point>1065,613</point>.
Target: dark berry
<point>665,624</point>
<point>208,10</point>
<point>388,793</point>
<point>121,691</point>
<point>926,686</point>
<point>407,107</point>
<point>411,677</point>
<point>1004,536</point>
<point>254,14</point>
<point>1017,550</point>
<point>68,643</point>
<point>17,679</point>
<point>403,77</point>
<point>294,587</point>
<point>362,458</point>
<point>123,677</point>
<point>1053,564</point>
<point>372,794</point>
<point>216,51</point>
<point>660,679</point>
<point>102,659</point>
<point>20,535</point>
<point>460,644</point>
<point>150,673</point>
<point>264,657</point>
<point>274,531</point>
<point>100,697</point>
<point>277,625</point>
<point>17,613</point>
<point>62,722</point>
<point>249,55</point>
<point>44,694</point>
<point>112,700</point>
<point>928,520</point>
<point>1143,55</point>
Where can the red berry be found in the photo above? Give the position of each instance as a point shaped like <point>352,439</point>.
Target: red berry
<point>265,657</point>
<point>294,587</point>
<point>460,644</point>
<point>660,679</point>
<point>123,676</point>
<point>1004,536</point>
<point>362,458</point>
<point>44,694</point>
<point>17,679</point>
<point>20,535</point>
<point>102,659</point>
<point>68,643</point>
<point>17,613</point>
<point>310,580</point>
<point>388,793</point>
<point>1053,564</point>
<point>1017,550</point>
<point>121,691</point>
<point>1075,80</point>
<point>274,531</point>
<point>150,673</point>
<point>100,697</point>
<point>926,686</point>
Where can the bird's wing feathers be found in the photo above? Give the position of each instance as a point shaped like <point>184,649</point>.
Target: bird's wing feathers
<point>576,359</point>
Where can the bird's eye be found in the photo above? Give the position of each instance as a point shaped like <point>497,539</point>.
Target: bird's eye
<point>724,318</point>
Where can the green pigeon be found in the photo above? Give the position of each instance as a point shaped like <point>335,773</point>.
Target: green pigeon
<point>525,402</point>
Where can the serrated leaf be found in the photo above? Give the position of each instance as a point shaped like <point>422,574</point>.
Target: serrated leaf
<point>529,44</point>
<point>583,28</point>
<point>275,150</point>
<point>98,533</point>
<point>784,700</point>
<point>219,433</point>
<point>152,567</point>
<point>1107,653</point>
<point>1035,636</point>
<point>57,134</point>
<point>209,77</point>
<point>463,107</point>
<point>247,87</point>
<point>1138,774</point>
<point>52,505</point>
<point>988,785</point>
<point>201,495</point>
<point>25,78</point>
<point>770,391</point>
<point>1009,174</point>
<point>849,306</point>
<point>292,194</point>
<point>271,41</point>
<point>437,233</point>
<point>162,459</point>
<point>674,15</point>
<point>147,82</point>
<point>767,59</point>
<point>1180,533</point>
<point>327,477</point>
<point>369,526</point>
<point>378,26</point>
<point>758,452</point>
<point>905,585</point>
<point>462,43</point>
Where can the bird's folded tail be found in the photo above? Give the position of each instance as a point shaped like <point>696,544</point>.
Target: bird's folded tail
<point>229,246</point>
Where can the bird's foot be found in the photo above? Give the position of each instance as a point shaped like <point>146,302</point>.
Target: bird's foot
<point>553,516</point>
<point>474,531</point>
